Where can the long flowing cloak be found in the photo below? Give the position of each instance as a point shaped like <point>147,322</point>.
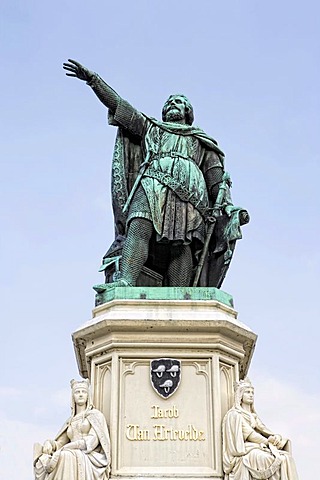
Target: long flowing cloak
<point>245,460</point>
<point>91,463</point>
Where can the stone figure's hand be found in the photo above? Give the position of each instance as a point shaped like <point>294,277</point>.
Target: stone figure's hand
<point>77,70</point>
<point>263,445</point>
<point>277,441</point>
<point>47,447</point>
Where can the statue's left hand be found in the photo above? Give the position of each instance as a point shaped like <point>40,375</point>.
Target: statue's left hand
<point>277,441</point>
<point>75,69</point>
<point>48,447</point>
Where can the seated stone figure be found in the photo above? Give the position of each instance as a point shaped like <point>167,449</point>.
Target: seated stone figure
<point>81,450</point>
<point>250,449</point>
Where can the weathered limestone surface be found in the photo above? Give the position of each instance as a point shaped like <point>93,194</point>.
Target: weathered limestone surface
<point>151,436</point>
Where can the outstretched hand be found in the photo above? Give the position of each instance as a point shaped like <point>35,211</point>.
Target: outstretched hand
<point>75,69</point>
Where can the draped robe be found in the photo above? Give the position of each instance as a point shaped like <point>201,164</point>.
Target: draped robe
<point>88,462</point>
<point>248,460</point>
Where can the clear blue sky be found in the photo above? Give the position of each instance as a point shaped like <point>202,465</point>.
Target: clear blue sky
<point>251,71</point>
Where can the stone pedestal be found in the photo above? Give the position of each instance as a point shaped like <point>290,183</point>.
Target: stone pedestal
<point>152,436</point>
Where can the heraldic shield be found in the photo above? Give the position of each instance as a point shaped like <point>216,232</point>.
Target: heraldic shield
<point>165,375</point>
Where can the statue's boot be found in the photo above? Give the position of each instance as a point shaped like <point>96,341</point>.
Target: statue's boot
<point>102,287</point>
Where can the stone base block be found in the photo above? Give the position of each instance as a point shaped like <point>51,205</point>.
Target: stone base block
<point>162,371</point>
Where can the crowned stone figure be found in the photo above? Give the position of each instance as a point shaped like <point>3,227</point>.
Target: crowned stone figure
<point>81,450</point>
<point>250,449</point>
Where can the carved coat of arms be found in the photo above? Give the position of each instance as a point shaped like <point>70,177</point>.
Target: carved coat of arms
<point>165,375</point>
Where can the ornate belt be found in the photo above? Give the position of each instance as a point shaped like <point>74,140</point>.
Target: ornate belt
<point>179,189</point>
<point>173,155</point>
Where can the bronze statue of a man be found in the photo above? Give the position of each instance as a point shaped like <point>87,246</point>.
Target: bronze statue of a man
<point>166,177</point>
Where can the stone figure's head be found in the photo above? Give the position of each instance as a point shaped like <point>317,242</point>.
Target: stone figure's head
<point>81,394</point>
<point>178,109</point>
<point>244,393</point>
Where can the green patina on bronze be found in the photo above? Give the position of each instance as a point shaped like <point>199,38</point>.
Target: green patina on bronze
<point>164,293</point>
<point>175,223</point>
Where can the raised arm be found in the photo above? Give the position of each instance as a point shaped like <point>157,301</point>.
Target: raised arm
<point>104,92</point>
<point>124,114</point>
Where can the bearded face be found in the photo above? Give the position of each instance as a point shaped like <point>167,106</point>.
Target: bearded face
<point>175,109</point>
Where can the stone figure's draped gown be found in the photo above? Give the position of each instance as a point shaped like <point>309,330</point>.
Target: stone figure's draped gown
<point>88,462</point>
<point>247,460</point>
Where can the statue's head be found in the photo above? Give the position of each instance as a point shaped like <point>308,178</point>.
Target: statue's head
<point>178,108</point>
<point>80,394</point>
<point>244,393</point>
